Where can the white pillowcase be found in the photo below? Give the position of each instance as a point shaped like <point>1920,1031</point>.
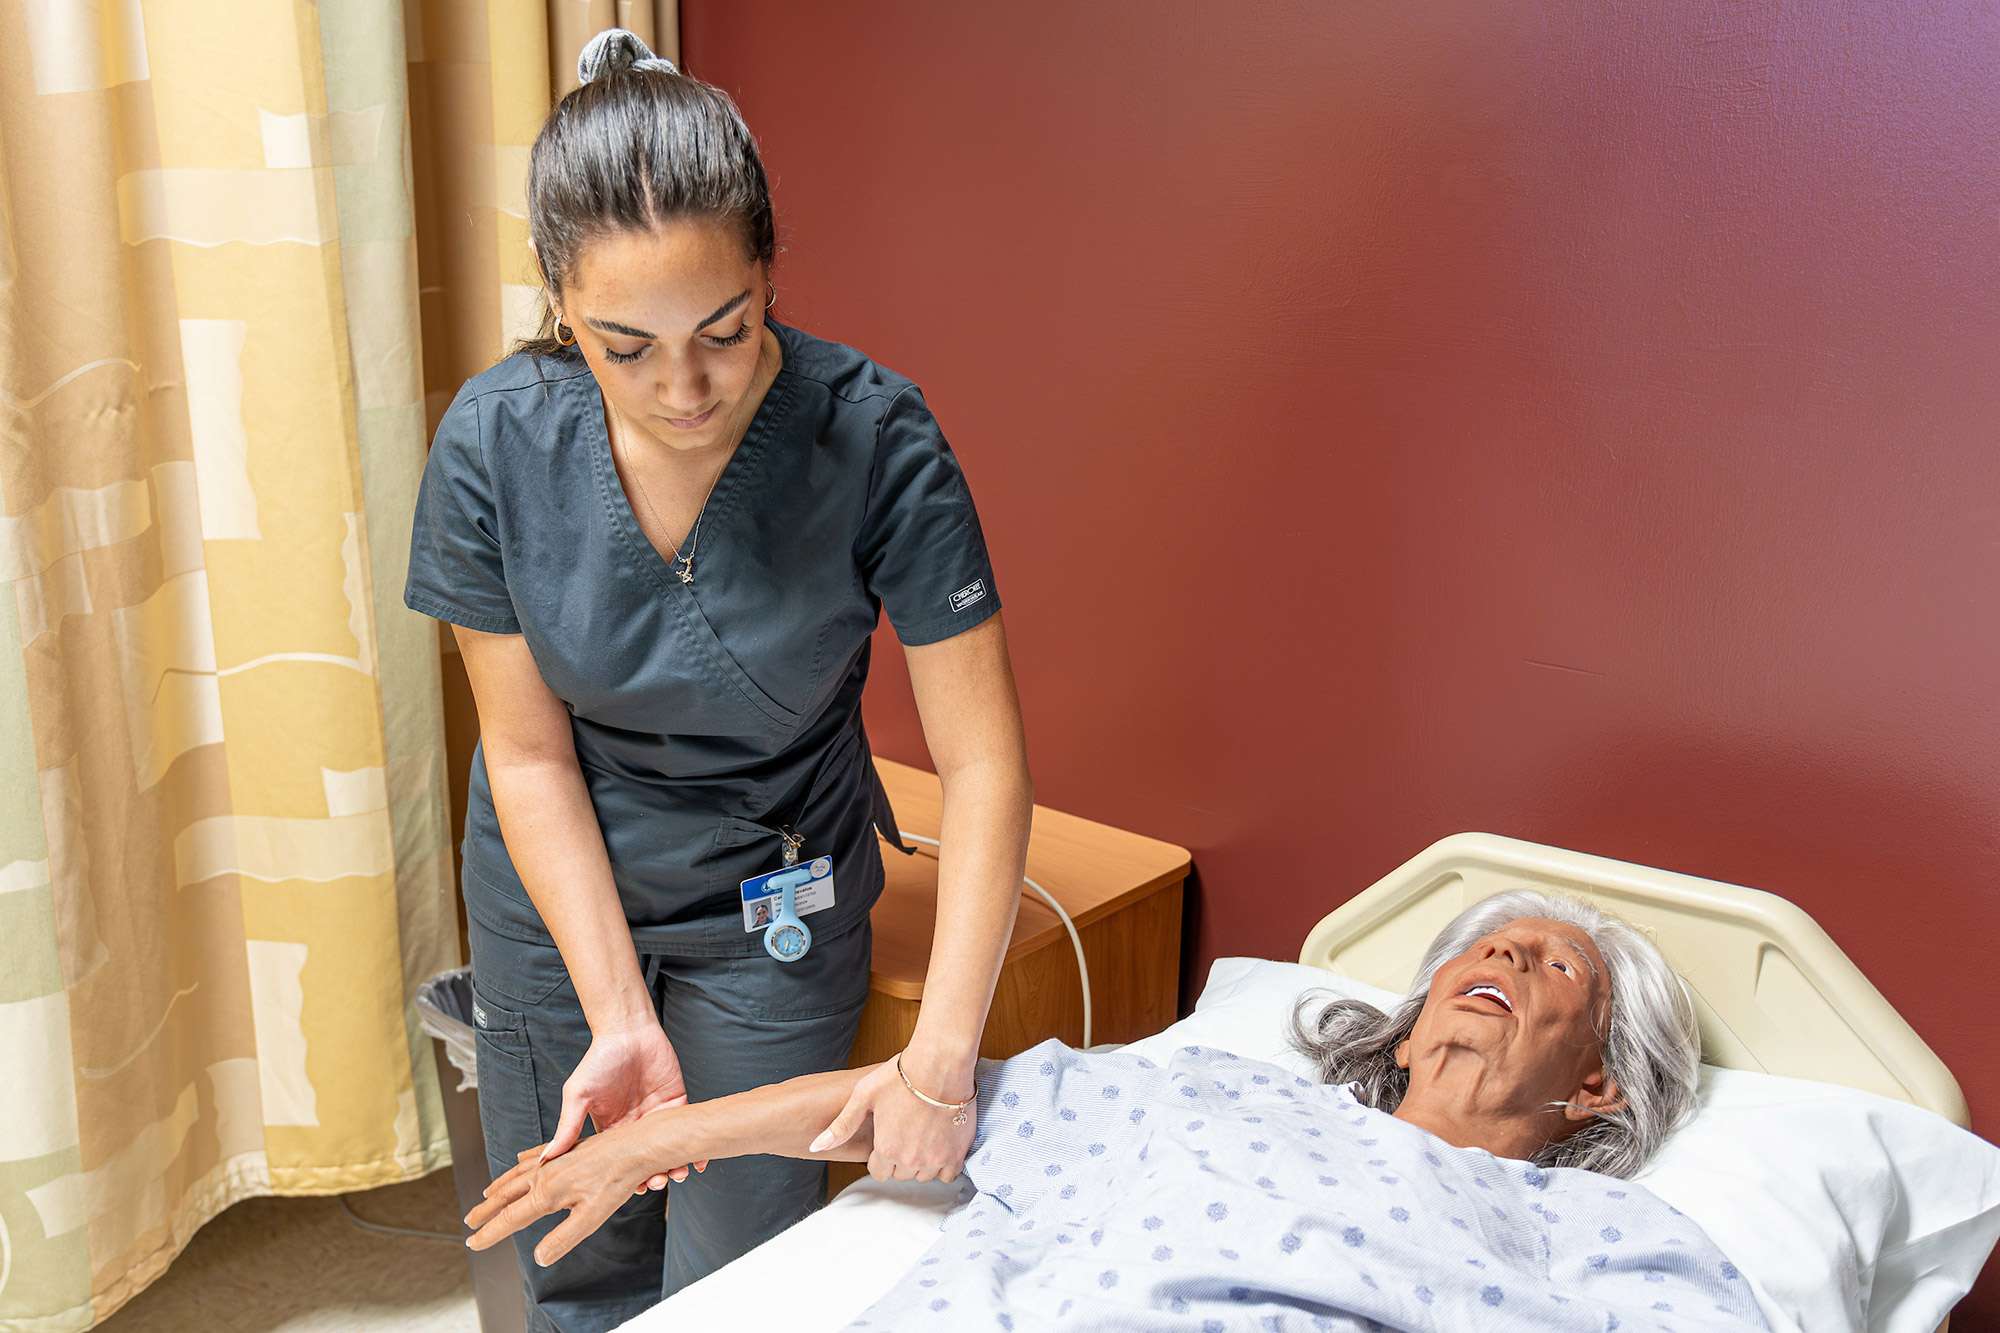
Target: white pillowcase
<point>1246,1009</point>
<point>1845,1209</point>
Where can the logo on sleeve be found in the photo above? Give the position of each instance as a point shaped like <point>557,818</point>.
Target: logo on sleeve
<point>970,593</point>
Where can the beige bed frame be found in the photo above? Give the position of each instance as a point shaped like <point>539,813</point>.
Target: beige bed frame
<point>1772,991</point>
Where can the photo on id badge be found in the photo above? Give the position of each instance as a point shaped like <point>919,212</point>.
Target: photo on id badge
<point>760,901</point>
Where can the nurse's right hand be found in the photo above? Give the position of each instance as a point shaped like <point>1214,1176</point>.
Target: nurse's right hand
<point>623,1076</point>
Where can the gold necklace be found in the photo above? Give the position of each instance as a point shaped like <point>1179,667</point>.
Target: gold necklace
<point>686,562</point>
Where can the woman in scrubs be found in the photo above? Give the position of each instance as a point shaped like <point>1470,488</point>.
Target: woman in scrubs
<point>663,534</point>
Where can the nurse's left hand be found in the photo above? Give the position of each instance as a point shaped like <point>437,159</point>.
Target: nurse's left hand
<point>913,1140</point>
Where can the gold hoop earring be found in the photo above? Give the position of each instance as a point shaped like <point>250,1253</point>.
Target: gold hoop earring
<point>561,329</point>
<point>772,299</point>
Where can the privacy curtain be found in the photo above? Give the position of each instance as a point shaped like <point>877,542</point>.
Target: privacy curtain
<point>248,251</point>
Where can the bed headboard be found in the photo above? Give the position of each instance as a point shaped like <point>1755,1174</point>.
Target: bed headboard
<point>1772,991</point>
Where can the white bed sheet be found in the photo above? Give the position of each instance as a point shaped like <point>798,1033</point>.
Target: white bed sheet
<point>819,1274</point>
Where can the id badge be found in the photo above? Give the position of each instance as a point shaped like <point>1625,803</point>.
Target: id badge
<point>760,903</point>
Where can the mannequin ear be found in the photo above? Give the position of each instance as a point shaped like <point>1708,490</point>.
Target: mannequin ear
<point>1402,1054</point>
<point>1598,1095</point>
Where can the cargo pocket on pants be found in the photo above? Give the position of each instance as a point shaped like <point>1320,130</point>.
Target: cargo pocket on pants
<point>510,1105</point>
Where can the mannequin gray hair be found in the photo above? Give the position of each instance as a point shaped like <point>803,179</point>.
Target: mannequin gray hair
<point>637,144</point>
<point>1651,1045</point>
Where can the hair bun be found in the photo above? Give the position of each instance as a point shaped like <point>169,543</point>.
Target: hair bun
<point>617,49</point>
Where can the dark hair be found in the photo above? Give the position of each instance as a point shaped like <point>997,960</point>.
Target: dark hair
<point>637,144</point>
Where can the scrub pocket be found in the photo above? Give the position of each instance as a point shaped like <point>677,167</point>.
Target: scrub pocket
<point>739,1023</point>
<point>832,978</point>
<point>510,1106</point>
<point>528,1030</point>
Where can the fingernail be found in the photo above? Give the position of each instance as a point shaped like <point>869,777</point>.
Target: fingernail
<point>819,1144</point>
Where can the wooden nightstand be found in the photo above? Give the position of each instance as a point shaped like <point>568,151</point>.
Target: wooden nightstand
<point>1122,890</point>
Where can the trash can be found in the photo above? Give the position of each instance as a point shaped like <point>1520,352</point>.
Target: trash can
<point>444,1007</point>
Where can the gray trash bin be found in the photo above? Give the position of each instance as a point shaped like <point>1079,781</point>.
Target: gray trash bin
<point>444,1007</point>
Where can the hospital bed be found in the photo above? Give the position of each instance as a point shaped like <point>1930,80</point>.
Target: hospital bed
<point>1774,997</point>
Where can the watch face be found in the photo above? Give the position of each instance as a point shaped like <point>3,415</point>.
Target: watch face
<point>786,943</point>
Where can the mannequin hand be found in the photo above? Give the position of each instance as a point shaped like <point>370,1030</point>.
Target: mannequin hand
<point>590,1182</point>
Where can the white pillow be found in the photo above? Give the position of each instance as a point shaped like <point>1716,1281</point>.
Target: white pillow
<point>1851,1210</point>
<point>1246,1009</point>
<point>1845,1209</point>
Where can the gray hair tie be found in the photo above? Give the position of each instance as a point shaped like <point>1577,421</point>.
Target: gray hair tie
<point>615,49</point>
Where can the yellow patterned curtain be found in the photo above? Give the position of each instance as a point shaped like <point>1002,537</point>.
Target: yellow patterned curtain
<point>248,251</point>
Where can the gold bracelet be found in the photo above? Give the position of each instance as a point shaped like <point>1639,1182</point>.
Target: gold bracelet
<point>957,1109</point>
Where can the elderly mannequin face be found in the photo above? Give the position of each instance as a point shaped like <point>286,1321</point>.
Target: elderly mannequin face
<point>1508,1026</point>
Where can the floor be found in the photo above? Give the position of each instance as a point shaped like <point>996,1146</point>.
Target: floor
<point>301,1266</point>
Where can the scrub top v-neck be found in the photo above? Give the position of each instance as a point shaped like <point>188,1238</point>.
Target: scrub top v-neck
<point>707,716</point>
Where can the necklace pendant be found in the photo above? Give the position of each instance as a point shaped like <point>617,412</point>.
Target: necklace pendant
<point>686,571</point>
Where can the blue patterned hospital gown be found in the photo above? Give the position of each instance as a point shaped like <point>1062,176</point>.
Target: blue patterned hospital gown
<point>1219,1193</point>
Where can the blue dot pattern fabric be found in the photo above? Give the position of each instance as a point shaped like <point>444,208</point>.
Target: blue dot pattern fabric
<point>1214,1192</point>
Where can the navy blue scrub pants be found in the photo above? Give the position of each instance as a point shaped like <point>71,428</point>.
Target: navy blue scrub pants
<point>736,1023</point>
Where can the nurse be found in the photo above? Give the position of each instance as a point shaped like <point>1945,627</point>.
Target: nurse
<point>663,534</point>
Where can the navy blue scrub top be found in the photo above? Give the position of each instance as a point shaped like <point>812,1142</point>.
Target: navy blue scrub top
<point>706,716</point>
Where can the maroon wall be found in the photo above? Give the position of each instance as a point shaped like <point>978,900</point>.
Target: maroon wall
<point>1569,422</point>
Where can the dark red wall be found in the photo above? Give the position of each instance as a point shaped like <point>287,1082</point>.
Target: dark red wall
<point>1574,422</point>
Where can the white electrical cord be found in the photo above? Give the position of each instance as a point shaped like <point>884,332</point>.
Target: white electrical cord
<point>1076,942</point>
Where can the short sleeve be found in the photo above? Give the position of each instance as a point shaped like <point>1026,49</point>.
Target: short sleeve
<point>456,572</point>
<point>921,550</point>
